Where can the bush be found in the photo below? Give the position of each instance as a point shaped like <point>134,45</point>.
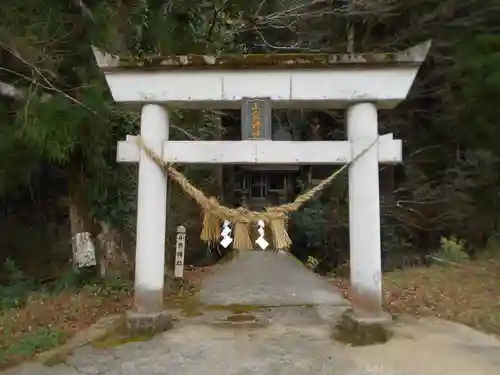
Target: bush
<point>452,250</point>
<point>36,341</point>
<point>15,293</point>
<point>19,287</point>
<point>491,250</point>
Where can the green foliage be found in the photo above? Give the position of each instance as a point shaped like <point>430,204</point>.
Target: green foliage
<point>452,250</point>
<point>312,262</point>
<point>15,293</point>
<point>311,222</point>
<point>491,252</point>
<point>63,130</point>
<point>34,30</point>
<point>71,279</point>
<point>187,26</point>
<point>474,86</point>
<point>39,340</point>
<point>113,288</point>
<point>395,245</point>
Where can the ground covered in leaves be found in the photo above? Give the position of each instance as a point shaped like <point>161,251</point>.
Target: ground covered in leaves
<point>50,316</point>
<point>468,294</point>
<point>47,320</point>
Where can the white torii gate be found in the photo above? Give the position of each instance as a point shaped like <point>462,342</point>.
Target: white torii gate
<point>360,83</point>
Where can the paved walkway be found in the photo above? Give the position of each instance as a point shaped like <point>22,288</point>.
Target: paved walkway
<point>291,340</point>
<point>267,278</point>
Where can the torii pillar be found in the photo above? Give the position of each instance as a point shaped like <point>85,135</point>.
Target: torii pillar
<point>362,84</point>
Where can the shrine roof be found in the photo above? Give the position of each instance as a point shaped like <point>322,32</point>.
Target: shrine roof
<point>412,56</point>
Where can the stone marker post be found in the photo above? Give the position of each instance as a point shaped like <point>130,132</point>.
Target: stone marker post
<point>180,248</point>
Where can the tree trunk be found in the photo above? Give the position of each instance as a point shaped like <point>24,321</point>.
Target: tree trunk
<point>112,257</point>
<point>109,245</point>
<point>77,210</point>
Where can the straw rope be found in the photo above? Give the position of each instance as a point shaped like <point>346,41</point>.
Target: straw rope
<point>214,212</point>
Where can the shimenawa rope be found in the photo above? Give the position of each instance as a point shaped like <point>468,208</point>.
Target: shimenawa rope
<point>214,213</point>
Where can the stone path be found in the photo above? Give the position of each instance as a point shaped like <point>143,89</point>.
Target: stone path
<point>267,278</point>
<point>288,339</point>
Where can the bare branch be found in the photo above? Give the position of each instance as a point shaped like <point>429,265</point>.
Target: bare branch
<point>84,8</point>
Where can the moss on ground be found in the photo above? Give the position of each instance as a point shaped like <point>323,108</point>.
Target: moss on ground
<point>353,333</point>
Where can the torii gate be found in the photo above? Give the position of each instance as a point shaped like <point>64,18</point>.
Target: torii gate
<point>360,83</point>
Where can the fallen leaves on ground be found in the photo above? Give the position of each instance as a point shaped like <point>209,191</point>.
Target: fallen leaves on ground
<point>467,294</point>
<point>196,274</point>
<point>63,316</point>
